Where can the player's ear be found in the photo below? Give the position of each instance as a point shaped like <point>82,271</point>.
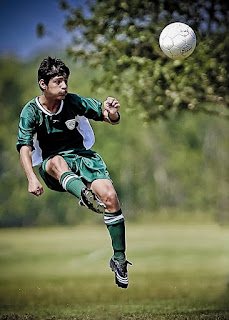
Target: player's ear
<point>42,84</point>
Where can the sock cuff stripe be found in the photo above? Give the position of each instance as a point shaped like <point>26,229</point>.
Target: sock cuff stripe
<point>113,214</point>
<point>113,219</point>
<point>66,179</point>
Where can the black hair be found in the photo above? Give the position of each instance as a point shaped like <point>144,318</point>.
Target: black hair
<point>50,68</point>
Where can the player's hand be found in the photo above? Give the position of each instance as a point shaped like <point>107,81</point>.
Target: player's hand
<point>35,187</point>
<point>111,105</point>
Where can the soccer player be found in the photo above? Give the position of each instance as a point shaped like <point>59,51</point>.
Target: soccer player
<point>54,131</point>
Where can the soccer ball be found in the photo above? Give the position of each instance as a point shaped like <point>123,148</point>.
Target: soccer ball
<point>177,40</point>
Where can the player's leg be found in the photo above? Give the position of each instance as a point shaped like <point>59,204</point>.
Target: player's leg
<point>105,190</point>
<point>114,221</point>
<point>58,176</point>
<point>59,169</point>
<point>113,216</point>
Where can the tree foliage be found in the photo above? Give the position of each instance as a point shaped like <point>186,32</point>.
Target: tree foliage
<point>122,38</point>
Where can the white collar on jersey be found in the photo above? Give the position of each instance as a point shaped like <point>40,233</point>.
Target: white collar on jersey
<point>46,111</point>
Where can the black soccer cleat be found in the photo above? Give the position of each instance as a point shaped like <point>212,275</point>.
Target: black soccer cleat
<point>120,270</point>
<point>91,201</point>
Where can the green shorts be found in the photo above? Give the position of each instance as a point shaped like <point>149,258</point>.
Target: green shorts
<point>88,165</point>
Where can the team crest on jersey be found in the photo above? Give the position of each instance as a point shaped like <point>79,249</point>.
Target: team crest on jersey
<point>71,124</point>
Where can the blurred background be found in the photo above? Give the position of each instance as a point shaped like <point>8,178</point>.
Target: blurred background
<point>168,159</point>
<point>169,156</point>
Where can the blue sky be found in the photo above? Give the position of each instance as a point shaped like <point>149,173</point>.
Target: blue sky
<point>18,21</point>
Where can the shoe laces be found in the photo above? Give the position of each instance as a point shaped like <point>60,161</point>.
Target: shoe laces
<point>123,266</point>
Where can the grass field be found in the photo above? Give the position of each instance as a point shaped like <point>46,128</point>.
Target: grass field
<point>178,272</point>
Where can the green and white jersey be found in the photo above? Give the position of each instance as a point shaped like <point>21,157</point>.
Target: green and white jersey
<point>67,129</point>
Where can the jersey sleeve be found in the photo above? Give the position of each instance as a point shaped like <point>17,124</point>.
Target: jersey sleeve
<point>88,107</point>
<point>26,128</point>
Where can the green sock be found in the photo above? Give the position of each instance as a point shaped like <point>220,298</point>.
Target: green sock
<point>72,183</point>
<point>116,227</point>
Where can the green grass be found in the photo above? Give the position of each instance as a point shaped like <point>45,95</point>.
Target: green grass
<point>178,272</point>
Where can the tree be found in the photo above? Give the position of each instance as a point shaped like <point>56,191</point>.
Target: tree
<point>122,38</point>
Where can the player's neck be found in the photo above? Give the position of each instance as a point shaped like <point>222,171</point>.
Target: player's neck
<point>52,105</point>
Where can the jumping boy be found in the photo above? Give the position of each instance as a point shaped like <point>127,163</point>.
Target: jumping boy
<point>54,131</point>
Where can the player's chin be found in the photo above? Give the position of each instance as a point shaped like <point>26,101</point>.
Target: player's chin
<point>62,96</point>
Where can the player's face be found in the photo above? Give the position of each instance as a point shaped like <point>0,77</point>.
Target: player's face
<point>57,87</point>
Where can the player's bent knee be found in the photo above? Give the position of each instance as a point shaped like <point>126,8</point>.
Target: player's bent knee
<point>110,198</point>
<point>57,162</point>
<point>56,165</point>
<point>104,189</point>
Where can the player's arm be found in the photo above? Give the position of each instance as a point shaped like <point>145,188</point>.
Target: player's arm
<point>111,111</point>
<point>34,185</point>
